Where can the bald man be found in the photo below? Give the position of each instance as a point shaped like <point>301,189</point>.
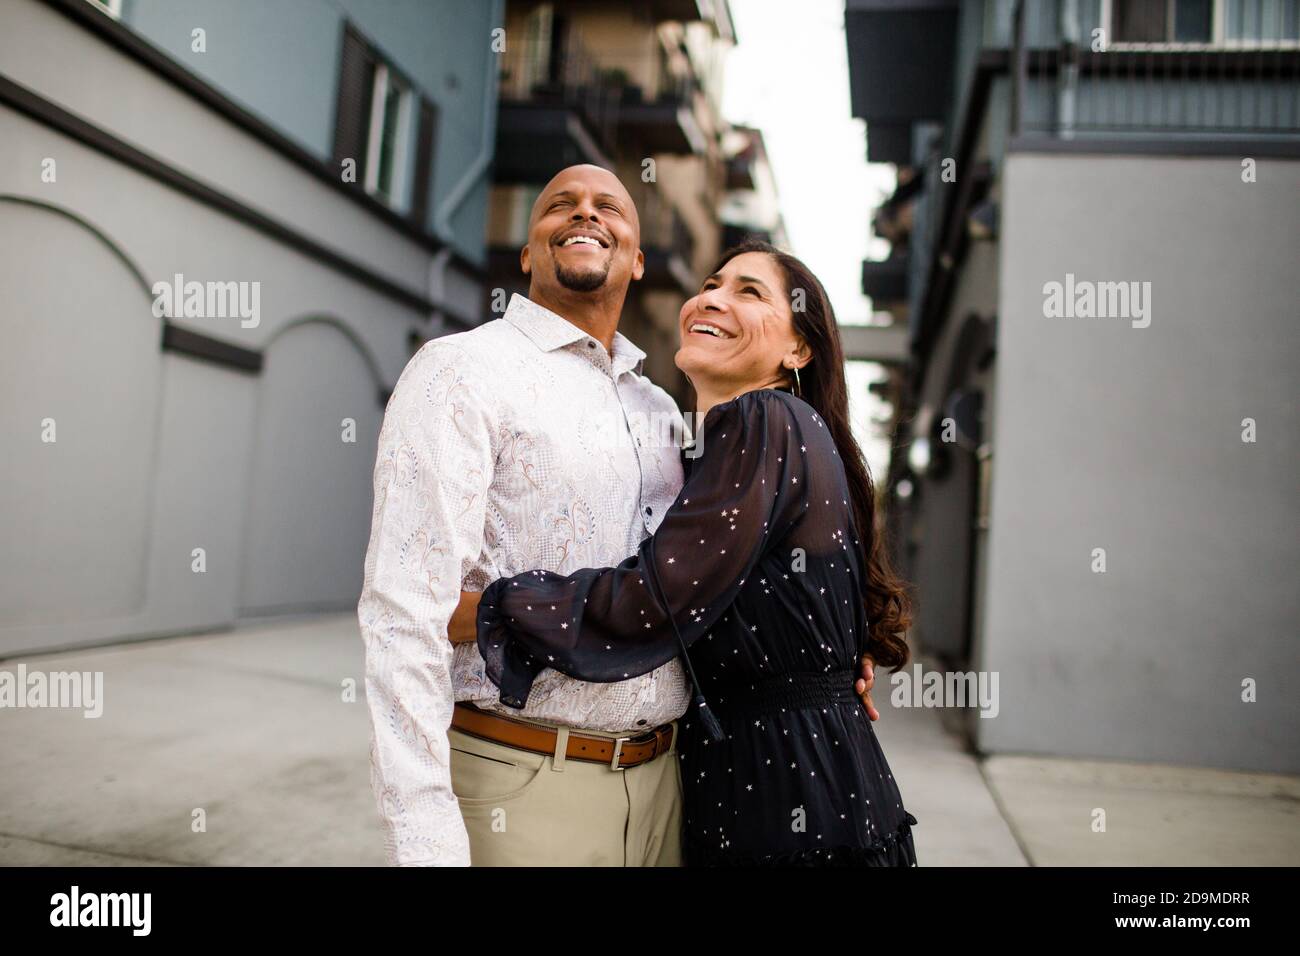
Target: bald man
<point>526,443</point>
<point>531,442</point>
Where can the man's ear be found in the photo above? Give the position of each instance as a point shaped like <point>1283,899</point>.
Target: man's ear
<point>638,265</point>
<point>524,261</point>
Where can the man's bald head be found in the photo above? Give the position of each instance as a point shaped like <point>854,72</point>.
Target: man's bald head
<point>584,236</point>
<point>567,178</point>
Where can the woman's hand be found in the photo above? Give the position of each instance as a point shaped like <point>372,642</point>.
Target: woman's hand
<point>463,626</point>
<point>864,684</point>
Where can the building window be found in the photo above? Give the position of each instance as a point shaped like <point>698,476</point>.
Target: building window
<point>1222,23</point>
<point>112,7</point>
<point>383,129</point>
<point>388,145</point>
<point>1162,21</point>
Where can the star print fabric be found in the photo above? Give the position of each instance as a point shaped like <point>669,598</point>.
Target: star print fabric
<point>740,498</point>
<point>758,562</point>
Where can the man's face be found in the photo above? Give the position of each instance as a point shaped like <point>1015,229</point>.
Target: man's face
<point>584,235</point>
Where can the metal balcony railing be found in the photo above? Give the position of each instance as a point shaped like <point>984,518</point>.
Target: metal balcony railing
<point>565,72</point>
<point>1241,79</point>
<point>664,229</point>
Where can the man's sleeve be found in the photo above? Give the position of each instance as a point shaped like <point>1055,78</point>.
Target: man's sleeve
<point>432,472</point>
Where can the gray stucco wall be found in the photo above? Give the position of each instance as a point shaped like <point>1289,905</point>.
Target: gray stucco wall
<point>133,103</point>
<point>159,453</point>
<point>1130,439</point>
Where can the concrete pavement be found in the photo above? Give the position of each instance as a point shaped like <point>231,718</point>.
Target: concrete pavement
<point>248,726</point>
<point>250,731</point>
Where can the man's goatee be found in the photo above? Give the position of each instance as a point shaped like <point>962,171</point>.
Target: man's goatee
<point>582,281</point>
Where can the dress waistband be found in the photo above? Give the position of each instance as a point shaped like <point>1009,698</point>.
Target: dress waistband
<point>794,691</point>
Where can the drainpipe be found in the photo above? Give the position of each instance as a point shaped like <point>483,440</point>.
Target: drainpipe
<point>1017,65</point>
<point>476,170</point>
<point>1067,83</point>
<point>437,292</point>
<point>480,164</point>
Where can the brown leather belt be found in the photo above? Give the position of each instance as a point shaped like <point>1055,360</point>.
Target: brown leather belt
<point>617,754</point>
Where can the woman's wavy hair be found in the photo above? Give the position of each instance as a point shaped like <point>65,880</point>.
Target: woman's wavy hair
<point>822,385</point>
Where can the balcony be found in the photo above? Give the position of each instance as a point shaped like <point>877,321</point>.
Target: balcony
<point>886,282</point>
<point>889,143</point>
<point>1173,93</point>
<point>557,109</point>
<point>668,247</point>
<point>666,123</point>
<point>559,106</point>
<point>740,172</point>
<point>1224,75</point>
<point>901,54</point>
<point>683,11</point>
<point>894,219</point>
<point>536,140</point>
<point>886,344</point>
<point>716,13</point>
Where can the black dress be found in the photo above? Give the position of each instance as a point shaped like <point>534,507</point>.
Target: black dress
<point>756,560</point>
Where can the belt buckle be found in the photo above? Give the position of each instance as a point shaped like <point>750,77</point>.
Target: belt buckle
<point>618,750</point>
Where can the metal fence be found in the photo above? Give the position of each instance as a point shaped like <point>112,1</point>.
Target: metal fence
<point>1238,74</point>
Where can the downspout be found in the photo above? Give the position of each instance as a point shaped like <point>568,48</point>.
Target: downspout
<point>1017,65</point>
<point>457,195</point>
<point>1067,85</point>
<point>476,170</point>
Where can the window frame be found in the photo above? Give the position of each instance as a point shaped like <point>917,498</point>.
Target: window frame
<point>386,77</point>
<point>1217,41</point>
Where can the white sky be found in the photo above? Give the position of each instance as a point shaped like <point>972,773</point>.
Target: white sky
<point>788,76</point>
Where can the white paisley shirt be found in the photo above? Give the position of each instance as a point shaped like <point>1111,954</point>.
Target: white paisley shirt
<point>522,444</point>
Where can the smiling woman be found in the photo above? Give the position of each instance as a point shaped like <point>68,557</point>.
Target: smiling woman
<point>767,577</point>
<point>738,332</point>
<point>778,329</point>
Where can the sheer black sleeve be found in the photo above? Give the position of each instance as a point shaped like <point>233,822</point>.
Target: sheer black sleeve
<point>744,491</point>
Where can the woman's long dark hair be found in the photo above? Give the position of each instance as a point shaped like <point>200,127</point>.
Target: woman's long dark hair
<point>822,385</point>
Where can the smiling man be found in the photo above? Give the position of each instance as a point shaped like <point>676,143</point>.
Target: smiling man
<point>495,458</point>
<point>492,460</point>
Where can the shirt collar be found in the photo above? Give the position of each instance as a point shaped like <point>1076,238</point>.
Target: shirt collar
<point>627,357</point>
<point>549,331</point>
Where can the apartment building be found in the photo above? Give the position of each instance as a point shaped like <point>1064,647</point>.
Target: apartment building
<point>635,88</point>
<point>1092,280</point>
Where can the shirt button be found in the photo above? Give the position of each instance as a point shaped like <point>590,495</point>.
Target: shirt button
<point>591,345</point>
<point>649,511</point>
<point>640,723</point>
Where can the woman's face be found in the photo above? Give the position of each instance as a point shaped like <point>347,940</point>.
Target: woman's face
<point>738,332</point>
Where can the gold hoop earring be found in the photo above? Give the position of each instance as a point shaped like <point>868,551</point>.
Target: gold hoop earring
<point>798,389</point>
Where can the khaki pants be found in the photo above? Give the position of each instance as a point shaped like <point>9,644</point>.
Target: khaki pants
<point>528,809</point>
